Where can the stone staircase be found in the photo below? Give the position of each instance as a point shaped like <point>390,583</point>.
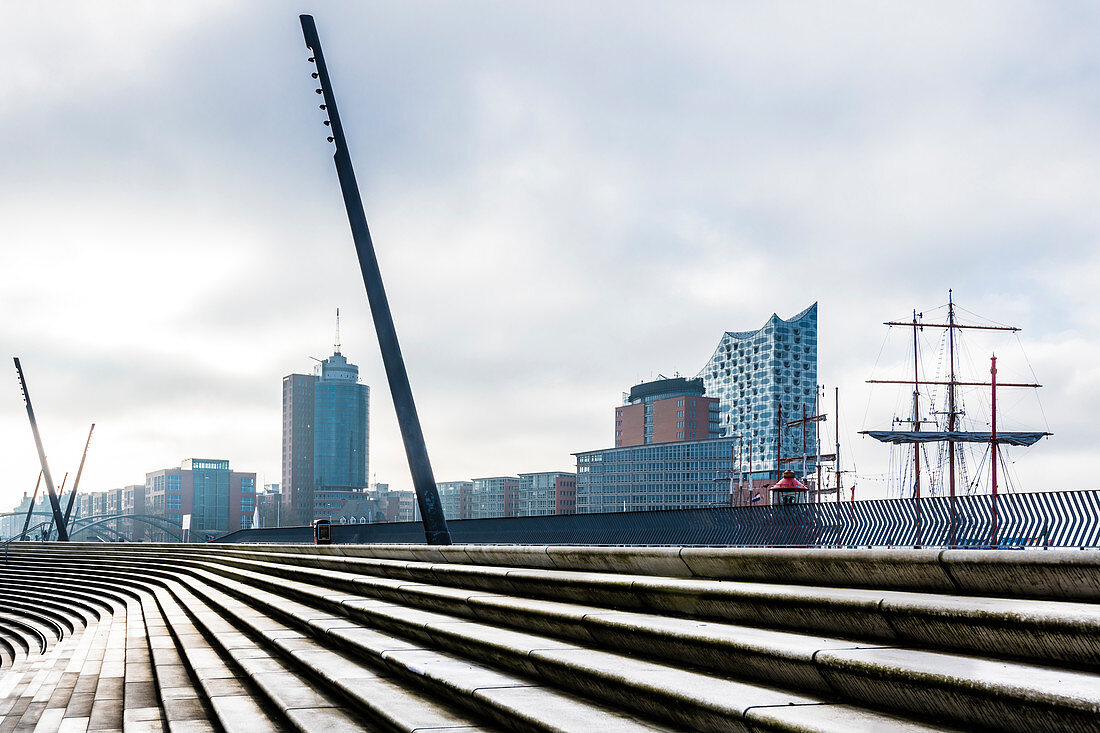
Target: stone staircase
<point>98,637</point>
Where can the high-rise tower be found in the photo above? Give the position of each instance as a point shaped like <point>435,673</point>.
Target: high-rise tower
<point>326,435</point>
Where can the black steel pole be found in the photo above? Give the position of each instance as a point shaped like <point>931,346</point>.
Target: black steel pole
<point>30,509</point>
<point>435,524</point>
<point>55,505</point>
<point>60,498</point>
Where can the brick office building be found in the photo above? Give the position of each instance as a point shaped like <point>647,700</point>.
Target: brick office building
<point>664,411</point>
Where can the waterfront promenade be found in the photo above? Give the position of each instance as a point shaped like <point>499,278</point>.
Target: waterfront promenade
<point>417,638</point>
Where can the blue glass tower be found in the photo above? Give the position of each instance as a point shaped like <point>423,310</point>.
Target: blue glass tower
<point>340,426</point>
<point>326,436</point>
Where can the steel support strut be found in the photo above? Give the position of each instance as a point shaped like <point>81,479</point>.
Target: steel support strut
<point>55,505</point>
<point>30,509</point>
<point>435,524</point>
<point>76,484</point>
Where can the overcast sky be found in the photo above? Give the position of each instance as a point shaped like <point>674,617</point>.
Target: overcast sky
<point>565,198</point>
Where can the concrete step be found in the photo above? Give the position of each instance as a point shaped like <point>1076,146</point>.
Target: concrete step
<point>585,673</point>
<point>158,696</point>
<point>70,679</point>
<point>496,696</point>
<point>481,689</point>
<point>1036,695</point>
<point>208,682</point>
<point>512,704</point>
<point>306,708</point>
<point>689,639</point>
<point>1013,628</point>
<point>56,621</point>
<point>1056,574</point>
<point>185,709</point>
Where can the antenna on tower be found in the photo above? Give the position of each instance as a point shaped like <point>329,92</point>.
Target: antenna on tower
<point>337,330</point>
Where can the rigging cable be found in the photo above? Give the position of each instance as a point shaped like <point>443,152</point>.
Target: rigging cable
<point>885,338</point>
<point>1046,425</point>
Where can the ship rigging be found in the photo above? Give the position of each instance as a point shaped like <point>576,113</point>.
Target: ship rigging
<point>945,427</point>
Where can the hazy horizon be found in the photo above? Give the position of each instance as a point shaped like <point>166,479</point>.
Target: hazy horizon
<point>565,200</point>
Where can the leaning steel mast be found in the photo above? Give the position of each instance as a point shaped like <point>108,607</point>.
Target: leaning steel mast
<point>55,505</point>
<point>30,509</point>
<point>79,471</point>
<point>435,524</point>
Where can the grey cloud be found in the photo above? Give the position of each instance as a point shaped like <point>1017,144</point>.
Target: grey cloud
<point>564,198</point>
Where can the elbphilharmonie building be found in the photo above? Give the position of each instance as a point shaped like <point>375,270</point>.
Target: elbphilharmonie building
<point>754,374</point>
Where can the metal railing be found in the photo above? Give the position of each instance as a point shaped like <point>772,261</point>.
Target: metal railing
<point>1050,519</point>
<point>22,536</point>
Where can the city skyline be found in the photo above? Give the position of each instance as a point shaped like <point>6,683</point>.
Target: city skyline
<point>552,224</point>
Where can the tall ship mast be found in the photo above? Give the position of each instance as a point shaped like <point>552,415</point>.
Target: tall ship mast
<point>949,429</point>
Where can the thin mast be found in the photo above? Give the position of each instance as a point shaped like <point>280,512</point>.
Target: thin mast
<point>836,427</point>
<point>779,443</point>
<point>951,390</point>
<point>993,435</point>
<point>818,394</point>
<point>79,471</point>
<point>993,444</point>
<point>732,501</point>
<point>30,509</point>
<point>750,466</point>
<point>336,346</point>
<point>803,441</point>
<point>916,411</point>
<point>740,470</point>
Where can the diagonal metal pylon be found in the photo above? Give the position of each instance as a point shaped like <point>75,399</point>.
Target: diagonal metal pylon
<point>427,496</point>
<point>55,505</point>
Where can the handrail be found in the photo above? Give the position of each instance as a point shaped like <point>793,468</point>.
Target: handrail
<point>20,538</point>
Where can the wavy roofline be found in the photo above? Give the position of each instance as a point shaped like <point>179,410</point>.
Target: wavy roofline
<point>741,335</point>
<point>773,317</point>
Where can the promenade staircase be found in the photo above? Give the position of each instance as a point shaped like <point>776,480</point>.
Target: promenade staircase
<point>248,638</point>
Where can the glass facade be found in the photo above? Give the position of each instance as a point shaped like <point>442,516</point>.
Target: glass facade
<point>753,373</point>
<point>326,436</point>
<point>340,435</point>
<point>537,494</point>
<point>210,494</point>
<point>682,475</point>
<point>493,497</point>
<point>454,497</point>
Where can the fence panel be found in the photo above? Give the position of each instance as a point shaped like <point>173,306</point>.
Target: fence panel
<point>1054,519</point>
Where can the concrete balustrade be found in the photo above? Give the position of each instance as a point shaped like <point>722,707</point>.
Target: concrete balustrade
<point>417,638</point>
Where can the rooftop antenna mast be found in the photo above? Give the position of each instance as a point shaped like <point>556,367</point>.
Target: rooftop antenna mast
<point>337,330</point>
<point>55,505</point>
<point>435,524</point>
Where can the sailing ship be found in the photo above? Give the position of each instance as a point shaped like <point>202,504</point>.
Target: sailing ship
<point>946,427</point>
